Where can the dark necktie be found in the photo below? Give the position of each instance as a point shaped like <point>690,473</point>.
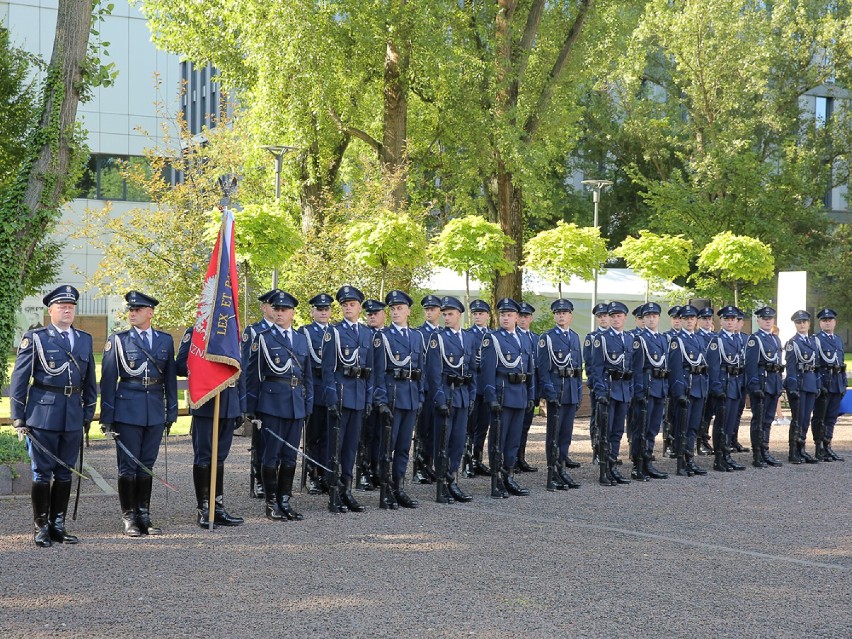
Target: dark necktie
<point>65,339</point>
<point>287,343</point>
<point>404,332</point>
<point>355,329</point>
<point>459,339</point>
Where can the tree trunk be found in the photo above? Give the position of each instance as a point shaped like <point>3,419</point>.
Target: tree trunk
<point>393,156</point>
<point>511,221</point>
<point>32,207</point>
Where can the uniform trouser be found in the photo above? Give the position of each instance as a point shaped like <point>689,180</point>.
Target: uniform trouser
<point>525,432</point>
<point>316,436</point>
<point>832,411</point>
<point>274,450</point>
<point>350,432</point>
<point>732,418</point>
<point>567,412</point>
<point>424,430</point>
<point>685,432</point>
<point>65,444</point>
<point>202,439</point>
<point>456,435</point>
<point>371,433</point>
<point>637,427</point>
<point>696,412</point>
<point>617,413</point>
<point>806,409</point>
<point>401,433</point>
<point>481,419</point>
<point>143,442</point>
<point>511,425</point>
<point>656,408</point>
<point>763,423</point>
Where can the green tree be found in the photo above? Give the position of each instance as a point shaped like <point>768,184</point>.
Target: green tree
<point>18,95</point>
<point>567,250</point>
<point>732,261</point>
<point>656,258</point>
<point>30,206</point>
<point>472,246</point>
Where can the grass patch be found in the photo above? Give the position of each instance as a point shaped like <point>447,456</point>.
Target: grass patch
<point>12,451</point>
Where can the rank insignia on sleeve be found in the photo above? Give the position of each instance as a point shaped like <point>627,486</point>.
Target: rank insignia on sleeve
<point>597,343</point>
<point>751,342</point>
<point>433,343</point>
<point>674,346</point>
<point>789,347</point>
<point>541,343</point>
<point>377,342</point>
<point>713,346</point>
<point>107,346</point>
<point>188,337</point>
<point>588,342</point>
<point>25,342</point>
<point>327,337</point>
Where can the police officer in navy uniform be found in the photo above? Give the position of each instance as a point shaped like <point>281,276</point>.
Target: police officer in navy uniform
<point>509,390</point>
<point>612,374</point>
<point>763,366</point>
<point>279,393</point>
<point>559,375</point>
<point>232,406</point>
<point>688,387</point>
<point>601,313</point>
<point>249,333</point>
<point>802,384</point>
<point>832,370</point>
<point>452,392</point>
<point>525,319</point>
<point>650,389</point>
<point>669,448</point>
<point>52,395</point>
<point>478,420</point>
<point>725,365</point>
<point>347,363</point>
<point>369,448</point>
<point>317,423</point>
<point>736,446</point>
<point>138,403</point>
<point>706,335</point>
<point>424,439</point>
<point>398,391</point>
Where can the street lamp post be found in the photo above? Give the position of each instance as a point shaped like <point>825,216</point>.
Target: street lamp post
<point>278,151</point>
<point>597,186</point>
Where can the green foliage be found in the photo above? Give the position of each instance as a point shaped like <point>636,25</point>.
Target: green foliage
<point>473,246</point>
<point>567,250</point>
<point>659,259</point>
<point>733,261</point>
<point>12,451</point>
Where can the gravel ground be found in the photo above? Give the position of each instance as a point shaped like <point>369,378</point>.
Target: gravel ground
<point>748,554</point>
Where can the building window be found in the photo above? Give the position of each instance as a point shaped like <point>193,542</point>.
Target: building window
<point>103,179</point>
<point>823,110</point>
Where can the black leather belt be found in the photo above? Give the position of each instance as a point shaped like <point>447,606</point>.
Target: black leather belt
<point>807,368</point>
<point>620,374</point>
<point>734,370</point>
<point>515,378</point>
<point>357,371</point>
<point>773,368</point>
<point>659,373</point>
<point>144,382</point>
<point>292,382</point>
<point>404,373</point>
<point>569,372</point>
<point>60,390</point>
<point>459,380</point>
<point>698,370</point>
<point>834,369</point>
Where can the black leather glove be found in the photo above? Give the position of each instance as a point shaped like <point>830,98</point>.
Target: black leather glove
<point>106,429</point>
<point>603,400</point>
<point>530,406</point>
<point>552,405</point>
<point>168,428</point>
<point>87,425</point>
<point>758,394</point>
<point>495,407</point>
<point>794,395</point>
<point>443,410</point>
<point>333,411</point>
<point>368,410</point>
<point>385,411</point>
<point>718,395</point>
<point>20,427</point>
<point>682,401</point>
<point>822,391</point>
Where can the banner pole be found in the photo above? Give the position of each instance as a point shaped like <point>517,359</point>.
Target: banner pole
<point>214,465</point>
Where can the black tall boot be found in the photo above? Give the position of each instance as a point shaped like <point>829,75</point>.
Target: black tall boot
<point>733,465</point>
<point>127,500</point>
<point>757,451</point>
<point>682,468</point>
<point>614,473</point>
<point>651,471</point>
<point>834,456</point>
<point>401,497</point>
<point>201,480</point>
<point>40,496</point>
<point>567,480</point>
<point>737,446</point>
<point>480,467</point>
<point>498,488</point>
<point>793,455</point>
<point>144,485</point>
<point>804,454</point>
<point>270,485</point>
<point>455,491</point>
<point>348,498</point>
<point>719,462</point>
<point>703,446</point>
<point>512,486</point>
<point>285,492</point>
<point>59,494</point>
<point>638,472</point>
<point>220,515</point>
